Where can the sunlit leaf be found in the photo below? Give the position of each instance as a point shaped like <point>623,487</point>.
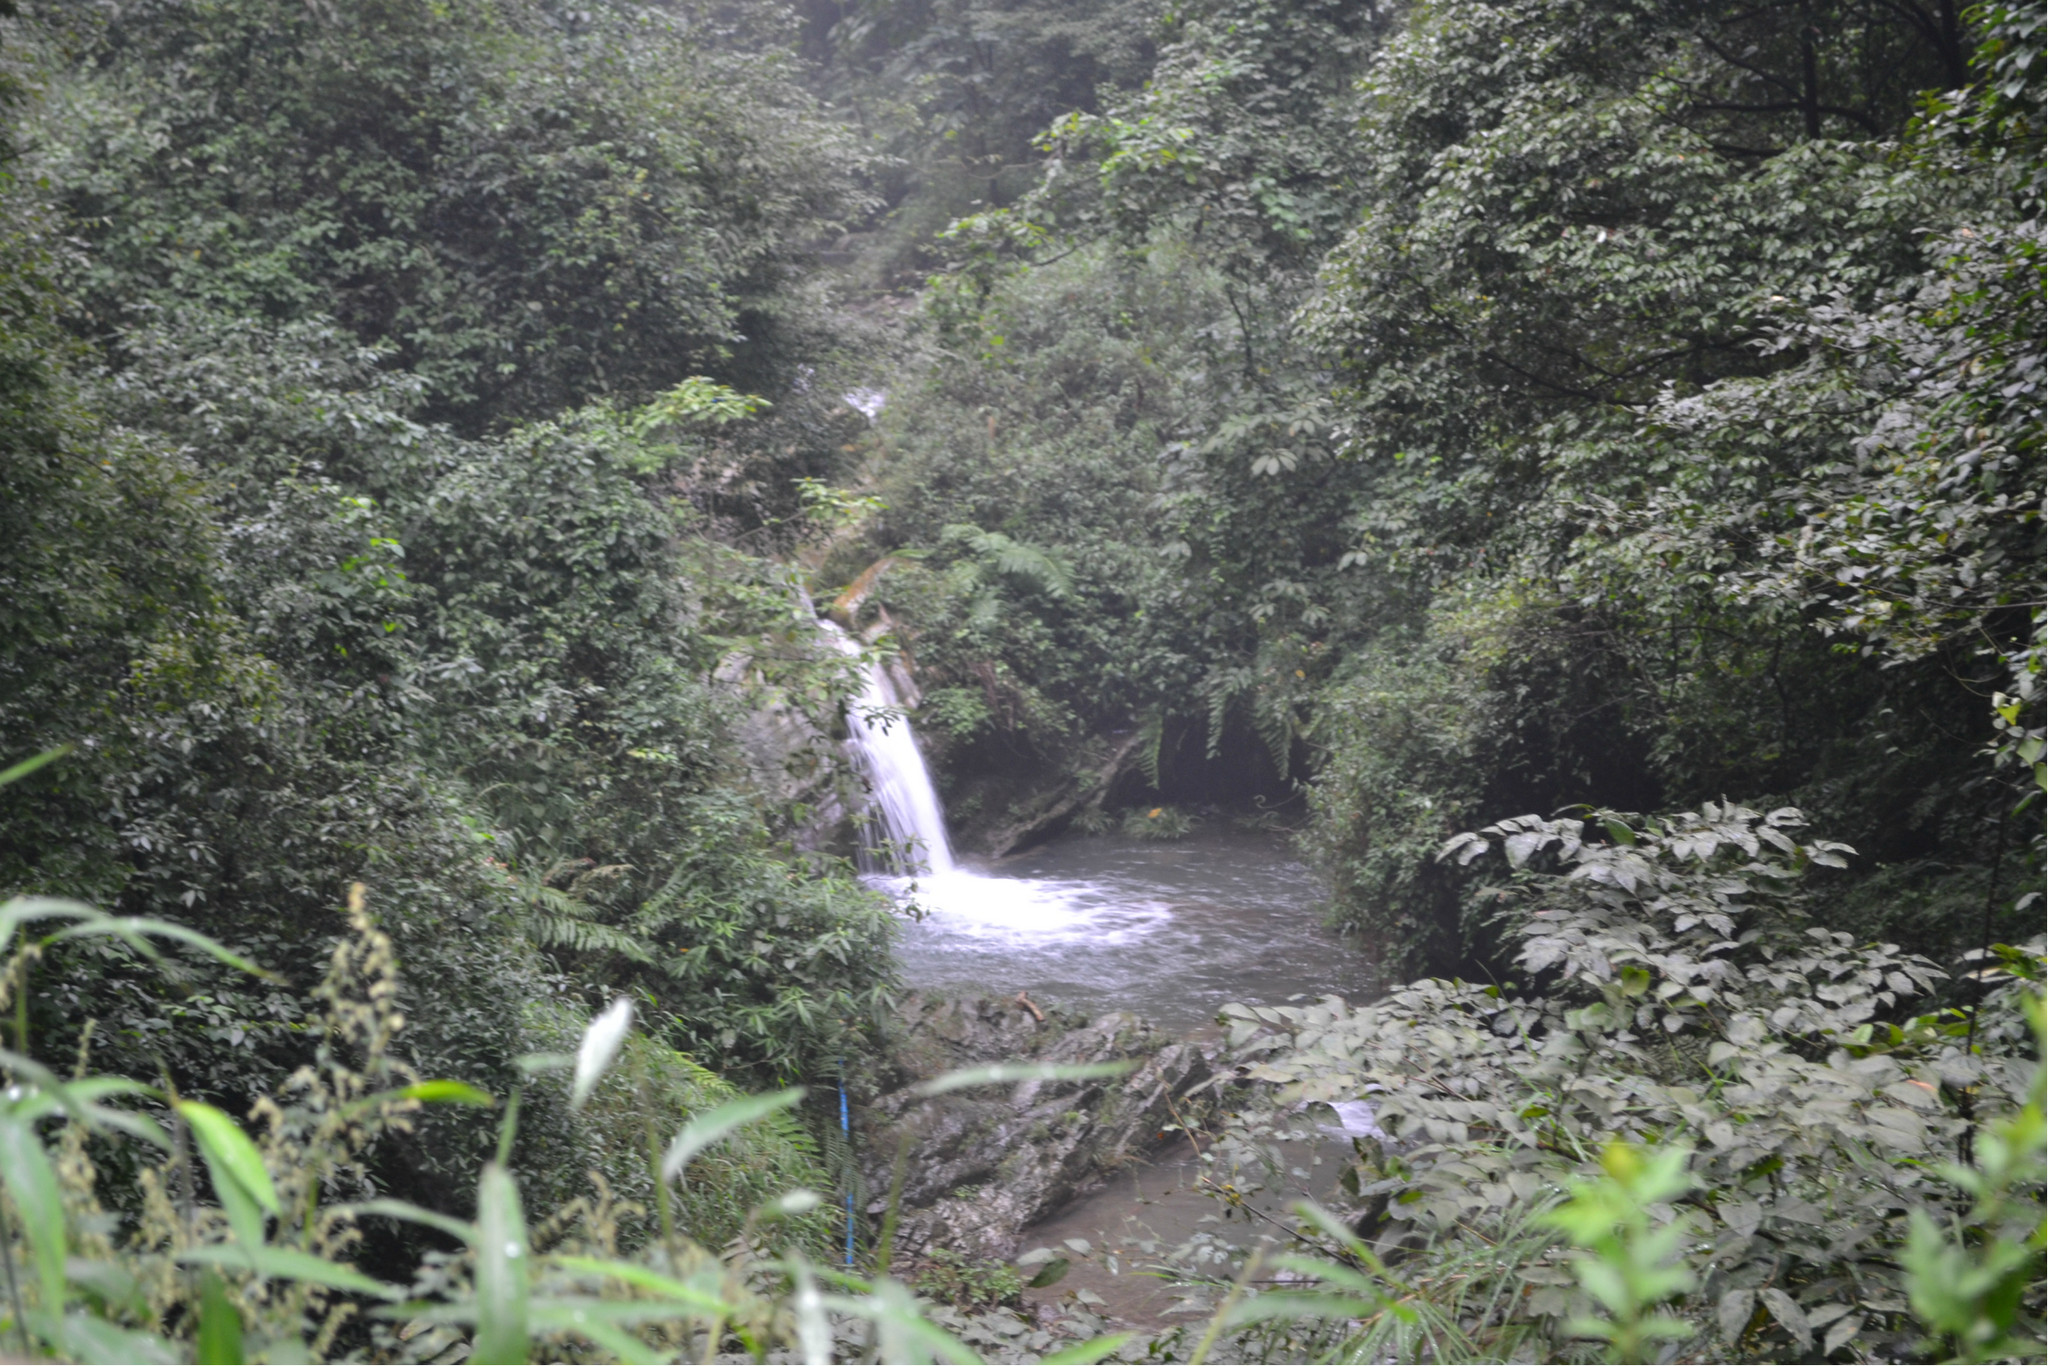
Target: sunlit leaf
<point>220,1324</point>
<point>240,1179</point>
<point>448,1093</point>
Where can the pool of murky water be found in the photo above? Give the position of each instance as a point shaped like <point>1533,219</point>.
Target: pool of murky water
<point>1171,930</point>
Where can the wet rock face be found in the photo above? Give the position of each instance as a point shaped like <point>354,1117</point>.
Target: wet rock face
<point>981,1165</point>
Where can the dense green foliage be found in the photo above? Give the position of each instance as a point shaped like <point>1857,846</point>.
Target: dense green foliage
<point>531,204</point>
<point>326,579</point>
<point>426,429</point>
<point>1672,992</point>
<point>1508,406</point>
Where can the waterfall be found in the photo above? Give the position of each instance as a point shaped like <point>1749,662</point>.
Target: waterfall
<point>912,834</point>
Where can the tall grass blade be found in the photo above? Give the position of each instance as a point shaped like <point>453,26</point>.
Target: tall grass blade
<point>413,1214</point>
<point>220,1325</point>
<point>501,1282</point>
<point>813,1329</point>
<point>619,1343</point>
<point>27,766</point>
<point>23,910</point>
<point>1002,1073</point>
<point>699,1297</point>
<point>87,1337</point>
<point>131,930</point>
<point>289,1264</point>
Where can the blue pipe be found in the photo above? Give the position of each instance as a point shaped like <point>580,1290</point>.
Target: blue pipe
<point>846,1128</point>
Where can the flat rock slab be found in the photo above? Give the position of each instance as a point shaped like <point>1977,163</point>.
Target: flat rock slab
<point>982,1165</point>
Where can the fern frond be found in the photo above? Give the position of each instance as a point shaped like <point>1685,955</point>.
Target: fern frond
<point>1273,717</point>
<point>555,919</point>
<point>1014,559</point>
<point>1151,739</point>
<point>584,936</point>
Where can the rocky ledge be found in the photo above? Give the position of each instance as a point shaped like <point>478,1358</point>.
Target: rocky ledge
<point>982,1165</point>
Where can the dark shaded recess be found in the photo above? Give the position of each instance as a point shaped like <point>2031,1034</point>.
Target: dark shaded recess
<point>1241,773</point>
<point>1565,741</point>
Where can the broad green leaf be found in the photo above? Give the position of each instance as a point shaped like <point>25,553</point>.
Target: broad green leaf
<point>1052,1273</point>
<point>714,1124</point>
<point>601,1043</point>
<point>1733,1313</point>
<point>1001,1073</point>
<point>501,1281</point>
<point>32,1183</point>
<point>444,1092</point>
<point>427,1093</point>
<point>288,1264</point>
<point>113,1284</point>
<point>239,1176</point>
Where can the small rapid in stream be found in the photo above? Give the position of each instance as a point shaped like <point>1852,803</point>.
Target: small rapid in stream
<point>1172,931</point>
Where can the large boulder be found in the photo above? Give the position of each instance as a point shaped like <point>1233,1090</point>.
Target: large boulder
<point>981,1165</point>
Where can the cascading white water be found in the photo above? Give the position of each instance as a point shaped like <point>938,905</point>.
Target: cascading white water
<point>912,837</point>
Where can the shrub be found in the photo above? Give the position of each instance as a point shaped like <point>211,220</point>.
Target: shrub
<point>1674,998</point>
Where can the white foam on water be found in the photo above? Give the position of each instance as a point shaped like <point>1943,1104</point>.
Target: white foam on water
<point>1027,913</point>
